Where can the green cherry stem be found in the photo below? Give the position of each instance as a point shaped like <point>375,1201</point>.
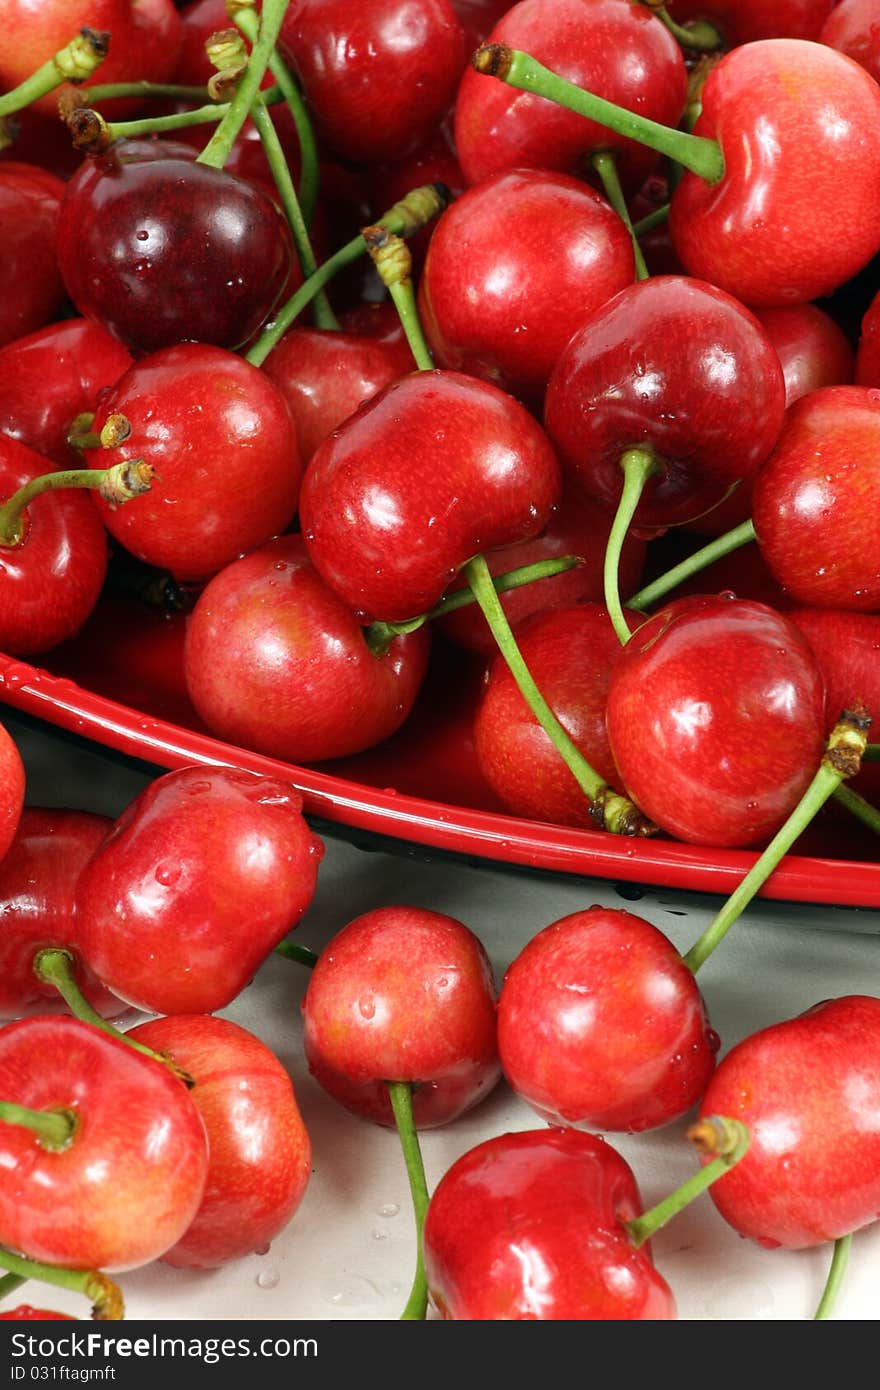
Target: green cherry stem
<point>103,1294</point>
<point>605,164</point>
<point>858,807</point>
<point>11,1283</point>
<point>125,480</point>
<point>652,220</point>
<point>54,966</point>
<point>393,260</point>
<point>728,1140</point>
<point>219,147</point>
<point>323,314</point>
<point>703,157</point>
<point>175,91</point>
<point>637,466</point>
<point>608,809</point>
<point>53,1128</point>
<point>404,218</point>
<point>401,1093</point>
<point>699,35</point>
<point>248,23</point>
<point>301,954</point>
<point>700,560</point>
<point>841,759</point>
<point>837,1269</point>
<point>75,62</point>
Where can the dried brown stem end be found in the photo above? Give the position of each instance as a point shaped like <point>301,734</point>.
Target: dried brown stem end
<point>107,1301</point>
<point>89,131</point>
<point>714,1135</point>
<point>390,254</point>
<point>131,478</point>
<point>78,59</point>
<point>848,740</point>
<point>611,811</point>
<point>493,60</point>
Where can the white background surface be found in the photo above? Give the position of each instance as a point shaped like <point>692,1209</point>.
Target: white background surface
<point>349,1251</point>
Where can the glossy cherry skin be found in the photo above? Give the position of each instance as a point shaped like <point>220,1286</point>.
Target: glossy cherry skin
<point>162,251</point>
<point>743,21</point>
<point>853,28</point>
<point>131,1179</point>
<point>677,365</point>
<point>378,76</point>
<point>274,661</point>
<point>432,470</point>
<point>31,289</point>
<point>259,1154</point>
<point>403,994</point>
<point>38,878</point>
<point>799,128</point>
<point>577,527</point>
<point>601,1025</point>
<point>816,498</point>
<point>51,376</point>
<point>532,1227</point>
<point>868,354</point>
<point>803,1087</point>
<point>514,266</point>
<point>200,878</point>
<point>477,18</point>
<point>570,652</point>
<point>12,789</point>
<point>50,580</point>
<point>716,718</point>
<point>221,439</point>
<point>620,52</point>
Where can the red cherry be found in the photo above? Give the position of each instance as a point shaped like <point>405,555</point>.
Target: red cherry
<point>12,789</point>
<point>25,1313</point>
<point>803,1087</point>
<point>531,1227</point>
<point>601,1025</point>
<point>274,661</point>
<point>259,1154</point>
<point>868,355</point>
<point>742,21</point>
<point>200,878</point>
<point>514,266</point>
<point>716,719</point>
<point>853,28</point>
<point>31,288</point>
<point>403,994</point>
<point>131,1178</point>
<point>435,162</point>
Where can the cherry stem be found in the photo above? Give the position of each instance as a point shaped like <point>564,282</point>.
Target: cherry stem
<point>380,635</point>
<point>401,1094</point>
<point>108,91</point>
<point>728,1140</point>
<point>393,260</point>
<point>74,62</point>
<point>607,808</point>
<point>323,314</point>
<point>652,220</point>
<point>637,465</point>
<point>605,164</point>
<point>839,1262</point>
<point>55,966</point>
<point>859,807</point>
<point>90,135</point>
<point>125,480</point>
<point>404,218</point>
<point>703,157</point>
<point>700,560</point>
<point>54,1128</point>
<point>219,147</point>
<point>248,23</point>
<point>291,951</point>
<point>841,759</point>
<point>699,34</point>
<point>104,1295</point>
<point>11,1283</point>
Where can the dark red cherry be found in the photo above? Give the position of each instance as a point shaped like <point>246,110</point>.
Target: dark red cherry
<point>31,289</point>
<point>742,21</point>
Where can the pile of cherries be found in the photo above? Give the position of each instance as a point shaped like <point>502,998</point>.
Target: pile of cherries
<point>561,261</point>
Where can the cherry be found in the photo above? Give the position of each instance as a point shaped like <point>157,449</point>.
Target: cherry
<point>532,1226</point>
<point>12,789</point>
<point>743,21</point>
<point>716,718</point>
<point>853,27</point>
<point>116,1172</point>
<point>274,661</point>
<point>815,498</point>
<point>868,355</point>
<point>803,1087</point>
<point>31,288</point>
<point>198,881</point>
<point>477,17</point>
<point>38,878</point>
<point>435,162</point>
<point>259,1154</point>
<point>221,440</point>
<point>514,267</point>
<point>26,1313</point>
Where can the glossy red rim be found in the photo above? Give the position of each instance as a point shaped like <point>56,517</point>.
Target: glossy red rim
<point>480,834</point>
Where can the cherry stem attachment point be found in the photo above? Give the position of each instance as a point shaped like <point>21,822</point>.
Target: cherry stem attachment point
<point>726,1139</point>
<point>841,759</point>
<point>858,807</point>
<point>608,809</point>
<point>219,147</point>
<point>104,1295</point>
<point>700,560</point>
<point>401,1094</point>
<point>393,260</point>
<point>637,466</point>
<point>55,966</point>
<point>125,480</point>
<point>837,1269</point>
<point>605,164</point>
<point>291,951</point>
<point>75,62</point>
<point>701,156</point>
<point>54,1129</point>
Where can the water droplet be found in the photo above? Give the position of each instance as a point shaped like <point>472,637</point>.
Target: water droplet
<point>379,1235</point>
<point>352,1292</point>
<point>367,1006</point>
<point>167,874</point>
<point>142,235</point>
<point>263,1249</point>
<point>268,1279</point>
<point>388,1209</point>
